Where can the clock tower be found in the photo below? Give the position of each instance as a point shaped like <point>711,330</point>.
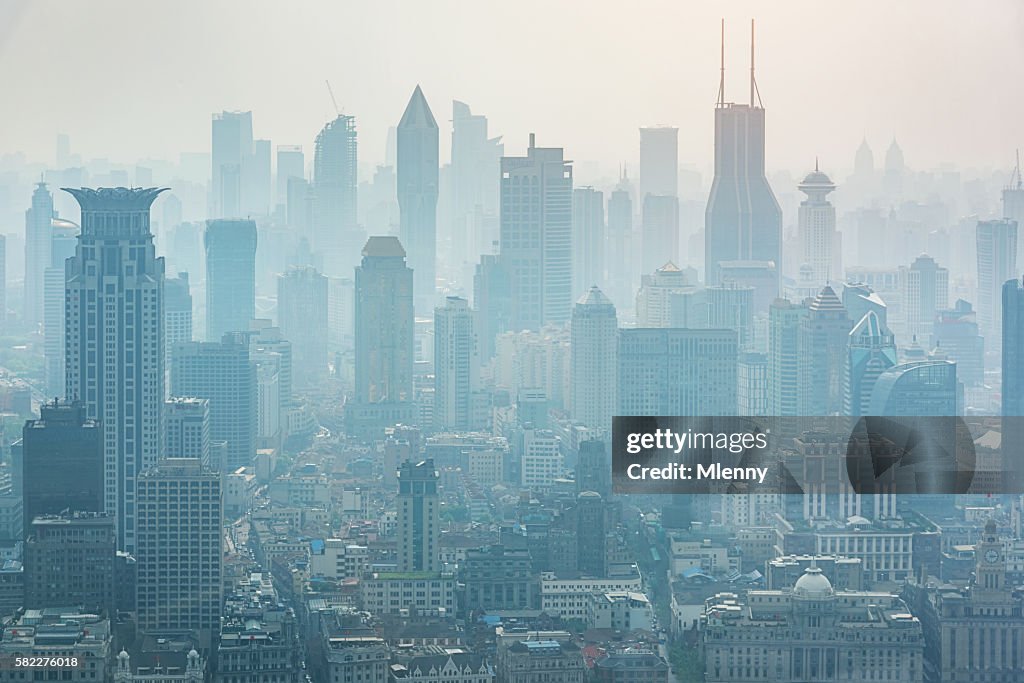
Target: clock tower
<point>990,570</point>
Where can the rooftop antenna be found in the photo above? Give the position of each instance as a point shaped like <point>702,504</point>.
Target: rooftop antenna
<point>721,78</point>
<point>333,101</point>
<point>753,83</point>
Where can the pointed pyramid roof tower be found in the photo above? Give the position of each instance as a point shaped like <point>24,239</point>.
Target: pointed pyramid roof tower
<point>417,112</point>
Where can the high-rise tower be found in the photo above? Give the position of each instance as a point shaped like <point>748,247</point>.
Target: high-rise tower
<point>115,330</point>
<point>594,332</point>
<point>536,236</point>
<point>816,224</point>
<point>456,365</point>
<point>38,245</point>
<point>417,195</point>
<point>1013,203</point>
<point>997,263</point>
<point>743,221</point>
<point>335,232</point>
<point>230,276</point>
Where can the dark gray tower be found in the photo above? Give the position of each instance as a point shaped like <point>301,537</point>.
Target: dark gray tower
<point>743,221</point>
<point>417,195</point>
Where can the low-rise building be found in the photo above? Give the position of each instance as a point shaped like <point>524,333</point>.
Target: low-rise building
<point>539,656</point>
<point>61,633</point>
<point>444,667</point>
<point>620,611</point>
<point>411,592</point>
<point>569,598</point>
<point>631,666</point>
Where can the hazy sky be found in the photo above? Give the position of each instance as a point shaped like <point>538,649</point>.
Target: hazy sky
<point>129,80</point>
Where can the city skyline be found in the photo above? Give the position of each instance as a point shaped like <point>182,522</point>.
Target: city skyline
<point>656,81</point>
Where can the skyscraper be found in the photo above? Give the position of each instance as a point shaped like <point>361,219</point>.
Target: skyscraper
<point>588,239</point>
<point>925,287</point>
<point>1013,348</point>
<point>418,517</point>
<point>920,388</point>
<point>232,151</point>
<point>674,371</point>
<point>335,229</point>
<point>417,195</point>
<point>69,560</point>
<point>115,355</point>
<point>178,560</point>
<point>620,242</point>
<point>536,236</point>
<point>456,365</point>
<point>302,316</point>
<point>743,221</point>
<point>223,374</point>
<point>659,231</point>
<point>821,348</point>
<point>872,351</point>
<point>659,161</point>
<point>997,263</point>
<point>955,334</point>
<point>188,430</point>
<point>594,346</point>
<point>819,241</point>
<point>784,324</point>
<point>177,316</point>
<point>291,163</point>
<point>230,276</point>
<point>38,239</point>
<point>64,240</point>
<point>731,307</point>
<point>476,169</point>
<point>384,337</point>
<point>62,462</point>
<point>1013,204</point>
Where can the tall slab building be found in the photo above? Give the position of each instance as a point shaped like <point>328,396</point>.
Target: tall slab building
<point>230,276</point>
<point>536,236</point>
<point>417,195</point>
<point>743,221</point>
<point>115,355</point>
<point>38,237</point>
<point>335,231</point>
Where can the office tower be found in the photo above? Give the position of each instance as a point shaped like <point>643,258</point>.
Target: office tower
<point>340,314</point>
<point>997,263</point>
<point>417,195</point>
<point>593,524</point>
<point>62,462</point>
<point>659,162</point>
<point>594,468</point>
<point>291,163</point>
<point>268,348</point>
<point>115,356</point>
<point>178,559</point>
<point>816,225</point>
<point>784,324</point>
<point>188,430</point>
<point>676,371</point>
<point>418,517</point>
<point>38,237</point>
<point>892,178</point>
<point>177,317</point>
<point>1013,204</point>
<point>821,348</point>
<point>871,351</point>
<point>69,560</point>
<point>223,374</point>
<point>668,297</point>
<point>621,261</point>
<point>1013,348</point>
<point>256,184</point>
<point>743,221</point>
<point>659,231</point>
<point>920,388</point>
<point>752,384</point>
<point>230,276</point>
<point>302,316</point>
<point>456,366</point>
<point>859,298</point>
<point>956,334</point>
<point>731,307</point>
<point>593,347</point>
<point>3,283</point>
<point>925,289</point>
<point>475,169</point>
<point>232,153</point>
<point>335,231</point>
<point>536,236</point>
<point>384,335</point>
<point>588,239</point>
<point>491,302</point>
<point>62,247</point>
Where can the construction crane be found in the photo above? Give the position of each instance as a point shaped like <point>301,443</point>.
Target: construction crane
<point>333,101</point>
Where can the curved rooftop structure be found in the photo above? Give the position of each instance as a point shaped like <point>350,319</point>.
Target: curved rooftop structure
<point>115,198</point>
<point>813,584</point>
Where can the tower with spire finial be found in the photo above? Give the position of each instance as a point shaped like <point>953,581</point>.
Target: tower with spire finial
<point>820,242</point>
<point>743,220</point>
<point>1013,204</point>
<point>417,196</point>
